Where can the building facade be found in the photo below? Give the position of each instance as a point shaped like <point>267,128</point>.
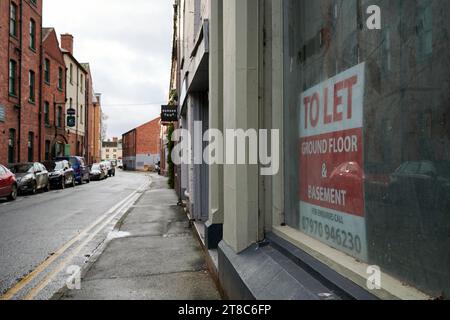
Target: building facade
<point>20,76</point>
<point>76,96</point>
<point>361,122</point>
<point>53,96</point>
<point>194,98</point>
<point>112,150</point>
<point>141,146</point>
<point>93,119</point>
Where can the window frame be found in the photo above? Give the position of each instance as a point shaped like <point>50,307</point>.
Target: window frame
<point>47,113</point>
<point>60,79</point>
<point>47,69</point>
<point>12,78</point>
<point>13,19</point>
<point>32,87</point>
<point>32,34</point>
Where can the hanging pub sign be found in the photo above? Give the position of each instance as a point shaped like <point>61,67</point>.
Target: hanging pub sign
<point>71,121</point>
<point>332,207</point>
<point>169,113</point>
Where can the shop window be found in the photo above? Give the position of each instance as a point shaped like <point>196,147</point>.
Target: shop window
<point>367,163</point>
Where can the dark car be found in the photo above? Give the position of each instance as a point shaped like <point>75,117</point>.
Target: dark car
<point>61,174</point>
<point>31,177</point>
<point>8,184</point>
<point>424,182</point>
<point>82,172</point>
<point>98,172</point>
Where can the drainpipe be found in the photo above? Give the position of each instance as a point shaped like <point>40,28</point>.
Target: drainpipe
<point>86,123</point>
<point>78,113</point>
<point>19,118</point>
<point>41,81</point>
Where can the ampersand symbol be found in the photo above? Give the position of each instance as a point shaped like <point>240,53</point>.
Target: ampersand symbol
<point>324,171</point>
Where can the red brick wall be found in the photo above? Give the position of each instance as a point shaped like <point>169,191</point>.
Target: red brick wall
<point>10,49</point>
<point>51,92</point>
<point>148,138</point>
<point>129,148</point>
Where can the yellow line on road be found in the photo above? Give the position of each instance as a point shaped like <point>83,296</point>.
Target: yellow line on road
<point>36,290</point>
<point>42,267</point>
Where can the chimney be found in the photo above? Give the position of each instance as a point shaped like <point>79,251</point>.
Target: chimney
<point>115,140</point>
<point>67,42</point>
<point>99,98</point>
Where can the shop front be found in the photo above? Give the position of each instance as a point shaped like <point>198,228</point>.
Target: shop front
<point>369,111</point>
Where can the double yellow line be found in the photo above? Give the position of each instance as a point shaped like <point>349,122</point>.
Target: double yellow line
<point>106,219</point>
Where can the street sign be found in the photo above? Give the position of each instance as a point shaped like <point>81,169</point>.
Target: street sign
<point>71,121</point>
<point>71,112</point>
<point>169,113</point>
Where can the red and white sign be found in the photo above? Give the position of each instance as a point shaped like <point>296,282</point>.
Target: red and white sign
<point>332,205</point>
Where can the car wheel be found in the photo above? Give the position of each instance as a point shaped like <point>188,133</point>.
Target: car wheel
<point>33,188</point>
<point>13,195</point>
<point>73,182</point>
<point>63,184</point>
<point>47,187</point>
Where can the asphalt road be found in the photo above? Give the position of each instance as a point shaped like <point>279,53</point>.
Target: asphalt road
<point>33,228</point>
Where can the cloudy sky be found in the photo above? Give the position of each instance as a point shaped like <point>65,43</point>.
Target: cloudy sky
<point>128,44</point>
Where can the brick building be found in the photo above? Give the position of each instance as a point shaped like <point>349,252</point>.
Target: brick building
<point>53,96</point>
<point>112,150</point>
<point>76,97</point>
<point>141,146</point>
<point>20,62</point>
<point>93,120</point>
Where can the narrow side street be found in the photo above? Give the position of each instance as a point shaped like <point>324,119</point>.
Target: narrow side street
<point>35,229</point>
<point>152,256</point>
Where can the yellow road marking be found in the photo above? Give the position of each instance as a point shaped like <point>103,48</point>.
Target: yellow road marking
<point>42,267</point>
<point>36,290</point>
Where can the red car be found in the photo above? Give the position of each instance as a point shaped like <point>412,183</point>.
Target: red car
<point>8,184</point>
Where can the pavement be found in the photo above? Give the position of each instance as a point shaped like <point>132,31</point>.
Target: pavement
<point>151,255</point>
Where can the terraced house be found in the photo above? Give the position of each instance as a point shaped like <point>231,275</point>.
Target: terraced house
<point>39,82</point>
<point>20,77</point>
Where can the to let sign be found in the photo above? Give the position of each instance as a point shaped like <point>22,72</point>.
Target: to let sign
<point>332,205</point>
<point>169,113</point>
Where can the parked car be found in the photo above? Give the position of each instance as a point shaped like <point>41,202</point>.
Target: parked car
<point>82,172</point>
<point>31,177</point>
<point>98,172</point>
<point>424,182</point>
<point>120,164</point>
<point>8,184</point>
<point>61,174</point>
<point>111,168</point>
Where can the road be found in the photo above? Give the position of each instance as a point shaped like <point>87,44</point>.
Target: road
<point>34,228</point>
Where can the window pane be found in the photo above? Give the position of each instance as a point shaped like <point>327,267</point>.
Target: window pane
<point>366,179</point>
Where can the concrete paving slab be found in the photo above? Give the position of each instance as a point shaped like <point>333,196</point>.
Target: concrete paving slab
<point>158,258</point>
<point>178,286</point>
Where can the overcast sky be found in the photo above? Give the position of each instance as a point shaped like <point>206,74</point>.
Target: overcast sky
<point>128,45</point>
